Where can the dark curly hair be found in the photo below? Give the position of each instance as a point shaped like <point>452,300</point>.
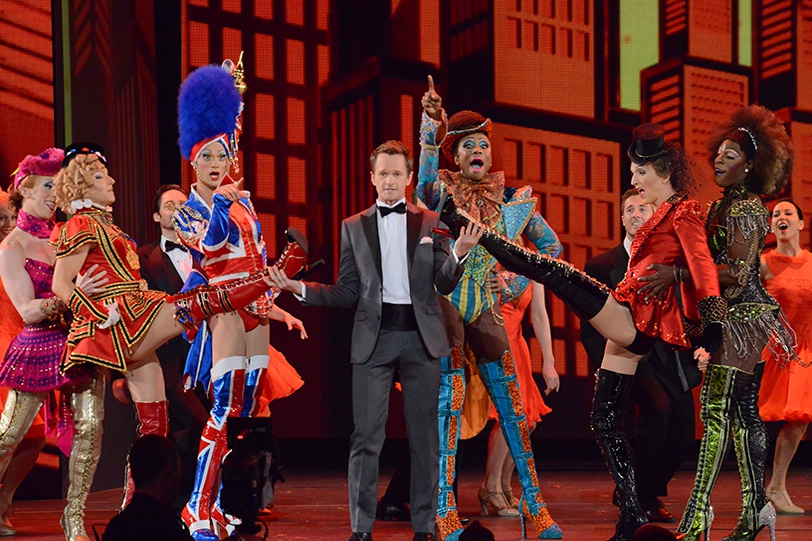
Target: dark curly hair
<point>772,153</point>
<point>677,164</point>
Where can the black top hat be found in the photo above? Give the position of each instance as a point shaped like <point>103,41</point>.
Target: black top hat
<point>648,144</point>
<point>83,148</point>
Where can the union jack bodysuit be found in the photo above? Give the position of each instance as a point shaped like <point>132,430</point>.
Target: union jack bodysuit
<point>226,239</point>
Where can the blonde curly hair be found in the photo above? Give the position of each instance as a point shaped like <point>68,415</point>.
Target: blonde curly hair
<point>74,181</point>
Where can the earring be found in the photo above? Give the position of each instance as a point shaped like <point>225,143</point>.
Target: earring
<point>746,169</point>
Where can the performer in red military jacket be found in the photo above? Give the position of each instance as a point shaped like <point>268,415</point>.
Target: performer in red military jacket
<point>121,327</point>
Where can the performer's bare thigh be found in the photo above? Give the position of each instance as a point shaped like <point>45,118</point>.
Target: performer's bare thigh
<point>615,322</point>
<point>257,340</point>
<point>619,359</point>
<point>228,337</point>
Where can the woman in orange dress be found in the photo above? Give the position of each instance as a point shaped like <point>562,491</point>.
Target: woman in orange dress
<point>518,297</point>
<point>786,395</point>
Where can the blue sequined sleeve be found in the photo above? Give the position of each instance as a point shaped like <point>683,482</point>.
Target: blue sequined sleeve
<point>203,231</point>
<point>542,235</point>
<point>217,233</point>
<point>429,187</point>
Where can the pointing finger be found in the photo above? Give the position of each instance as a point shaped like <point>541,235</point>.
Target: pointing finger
<point>431,85</point>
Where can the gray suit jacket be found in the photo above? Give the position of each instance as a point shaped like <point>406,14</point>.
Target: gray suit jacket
<point>360,280</point>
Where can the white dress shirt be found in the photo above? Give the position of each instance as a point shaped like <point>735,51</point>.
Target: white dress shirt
<point>394,263</point>
<point>181,259</point>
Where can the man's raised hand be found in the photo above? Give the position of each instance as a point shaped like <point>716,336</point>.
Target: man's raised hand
<point>432,102</point>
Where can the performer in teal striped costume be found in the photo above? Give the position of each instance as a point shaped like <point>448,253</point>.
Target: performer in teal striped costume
<point>473,315</point>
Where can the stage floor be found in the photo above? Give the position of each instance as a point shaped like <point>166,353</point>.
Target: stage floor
<point>312,505</point>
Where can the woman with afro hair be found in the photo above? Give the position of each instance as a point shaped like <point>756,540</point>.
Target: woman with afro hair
<point>751,155</point>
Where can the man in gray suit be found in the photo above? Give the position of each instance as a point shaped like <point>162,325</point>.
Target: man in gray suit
<point>391,262</point>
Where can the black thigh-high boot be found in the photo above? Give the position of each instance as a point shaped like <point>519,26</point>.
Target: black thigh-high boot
<point>608,409</point>
<point>750,443</point>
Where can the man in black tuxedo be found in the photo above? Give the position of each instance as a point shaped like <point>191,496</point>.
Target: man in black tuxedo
<point>390,263</point>
<point>662,385</point>
<point>165,265</point>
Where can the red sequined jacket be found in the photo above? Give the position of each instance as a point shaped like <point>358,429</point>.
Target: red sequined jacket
<point>674,235</point>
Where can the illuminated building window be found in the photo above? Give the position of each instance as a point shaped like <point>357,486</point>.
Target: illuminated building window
<point>264,105</point>
<point>676,16</point>
<point>579,169</point>
<point>580,11</point>
<point>268,223</point>
<point>547,39</point>
<point>265,56</point>
<point>263,9</point>
<point>531,32</point>
<point>775,55</point>
<point>297,181</point>
<point>604,219</point>
<point>199,35</point>
<point>565,41</point>
<point>297,223</point>
<point>602,173</point>
<point>557,165</point>
<point>232,6</point>
<point>407,120</point>
<point>294,12</point>
<point>232,43</point>
<point>580,208</point>
<point>568,34</point>
<point>511,163</point>
<point>324,63</point>
<point>534,163</point>
<point>266,176</point>
<point>323,14</point>
<point>296,62</point>
<point>296,121</point>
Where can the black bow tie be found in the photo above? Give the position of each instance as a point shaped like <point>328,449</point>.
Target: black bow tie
<point>400,208</point>
<point>169,246</point>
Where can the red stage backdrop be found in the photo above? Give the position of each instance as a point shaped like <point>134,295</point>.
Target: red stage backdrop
<point>330,79</point>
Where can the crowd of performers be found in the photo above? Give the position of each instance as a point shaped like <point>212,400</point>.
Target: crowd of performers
<point>695,281</point>
<point>86,310</point>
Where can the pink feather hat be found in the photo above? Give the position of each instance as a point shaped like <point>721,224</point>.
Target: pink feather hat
<point>46,163</point>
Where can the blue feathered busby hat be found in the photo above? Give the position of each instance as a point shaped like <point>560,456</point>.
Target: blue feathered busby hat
<point>209,107</point>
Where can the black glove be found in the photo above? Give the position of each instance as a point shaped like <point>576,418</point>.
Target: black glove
<point>713,314</point>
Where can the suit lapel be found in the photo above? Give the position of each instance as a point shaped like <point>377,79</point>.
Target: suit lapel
<point>413,223</point>
<point>618,270</point>
<point>163,270</point>
<point>369,223</point>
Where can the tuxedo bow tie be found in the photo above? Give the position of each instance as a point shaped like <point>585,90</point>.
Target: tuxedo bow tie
<point>169,246</point>
<point>400,208</point>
